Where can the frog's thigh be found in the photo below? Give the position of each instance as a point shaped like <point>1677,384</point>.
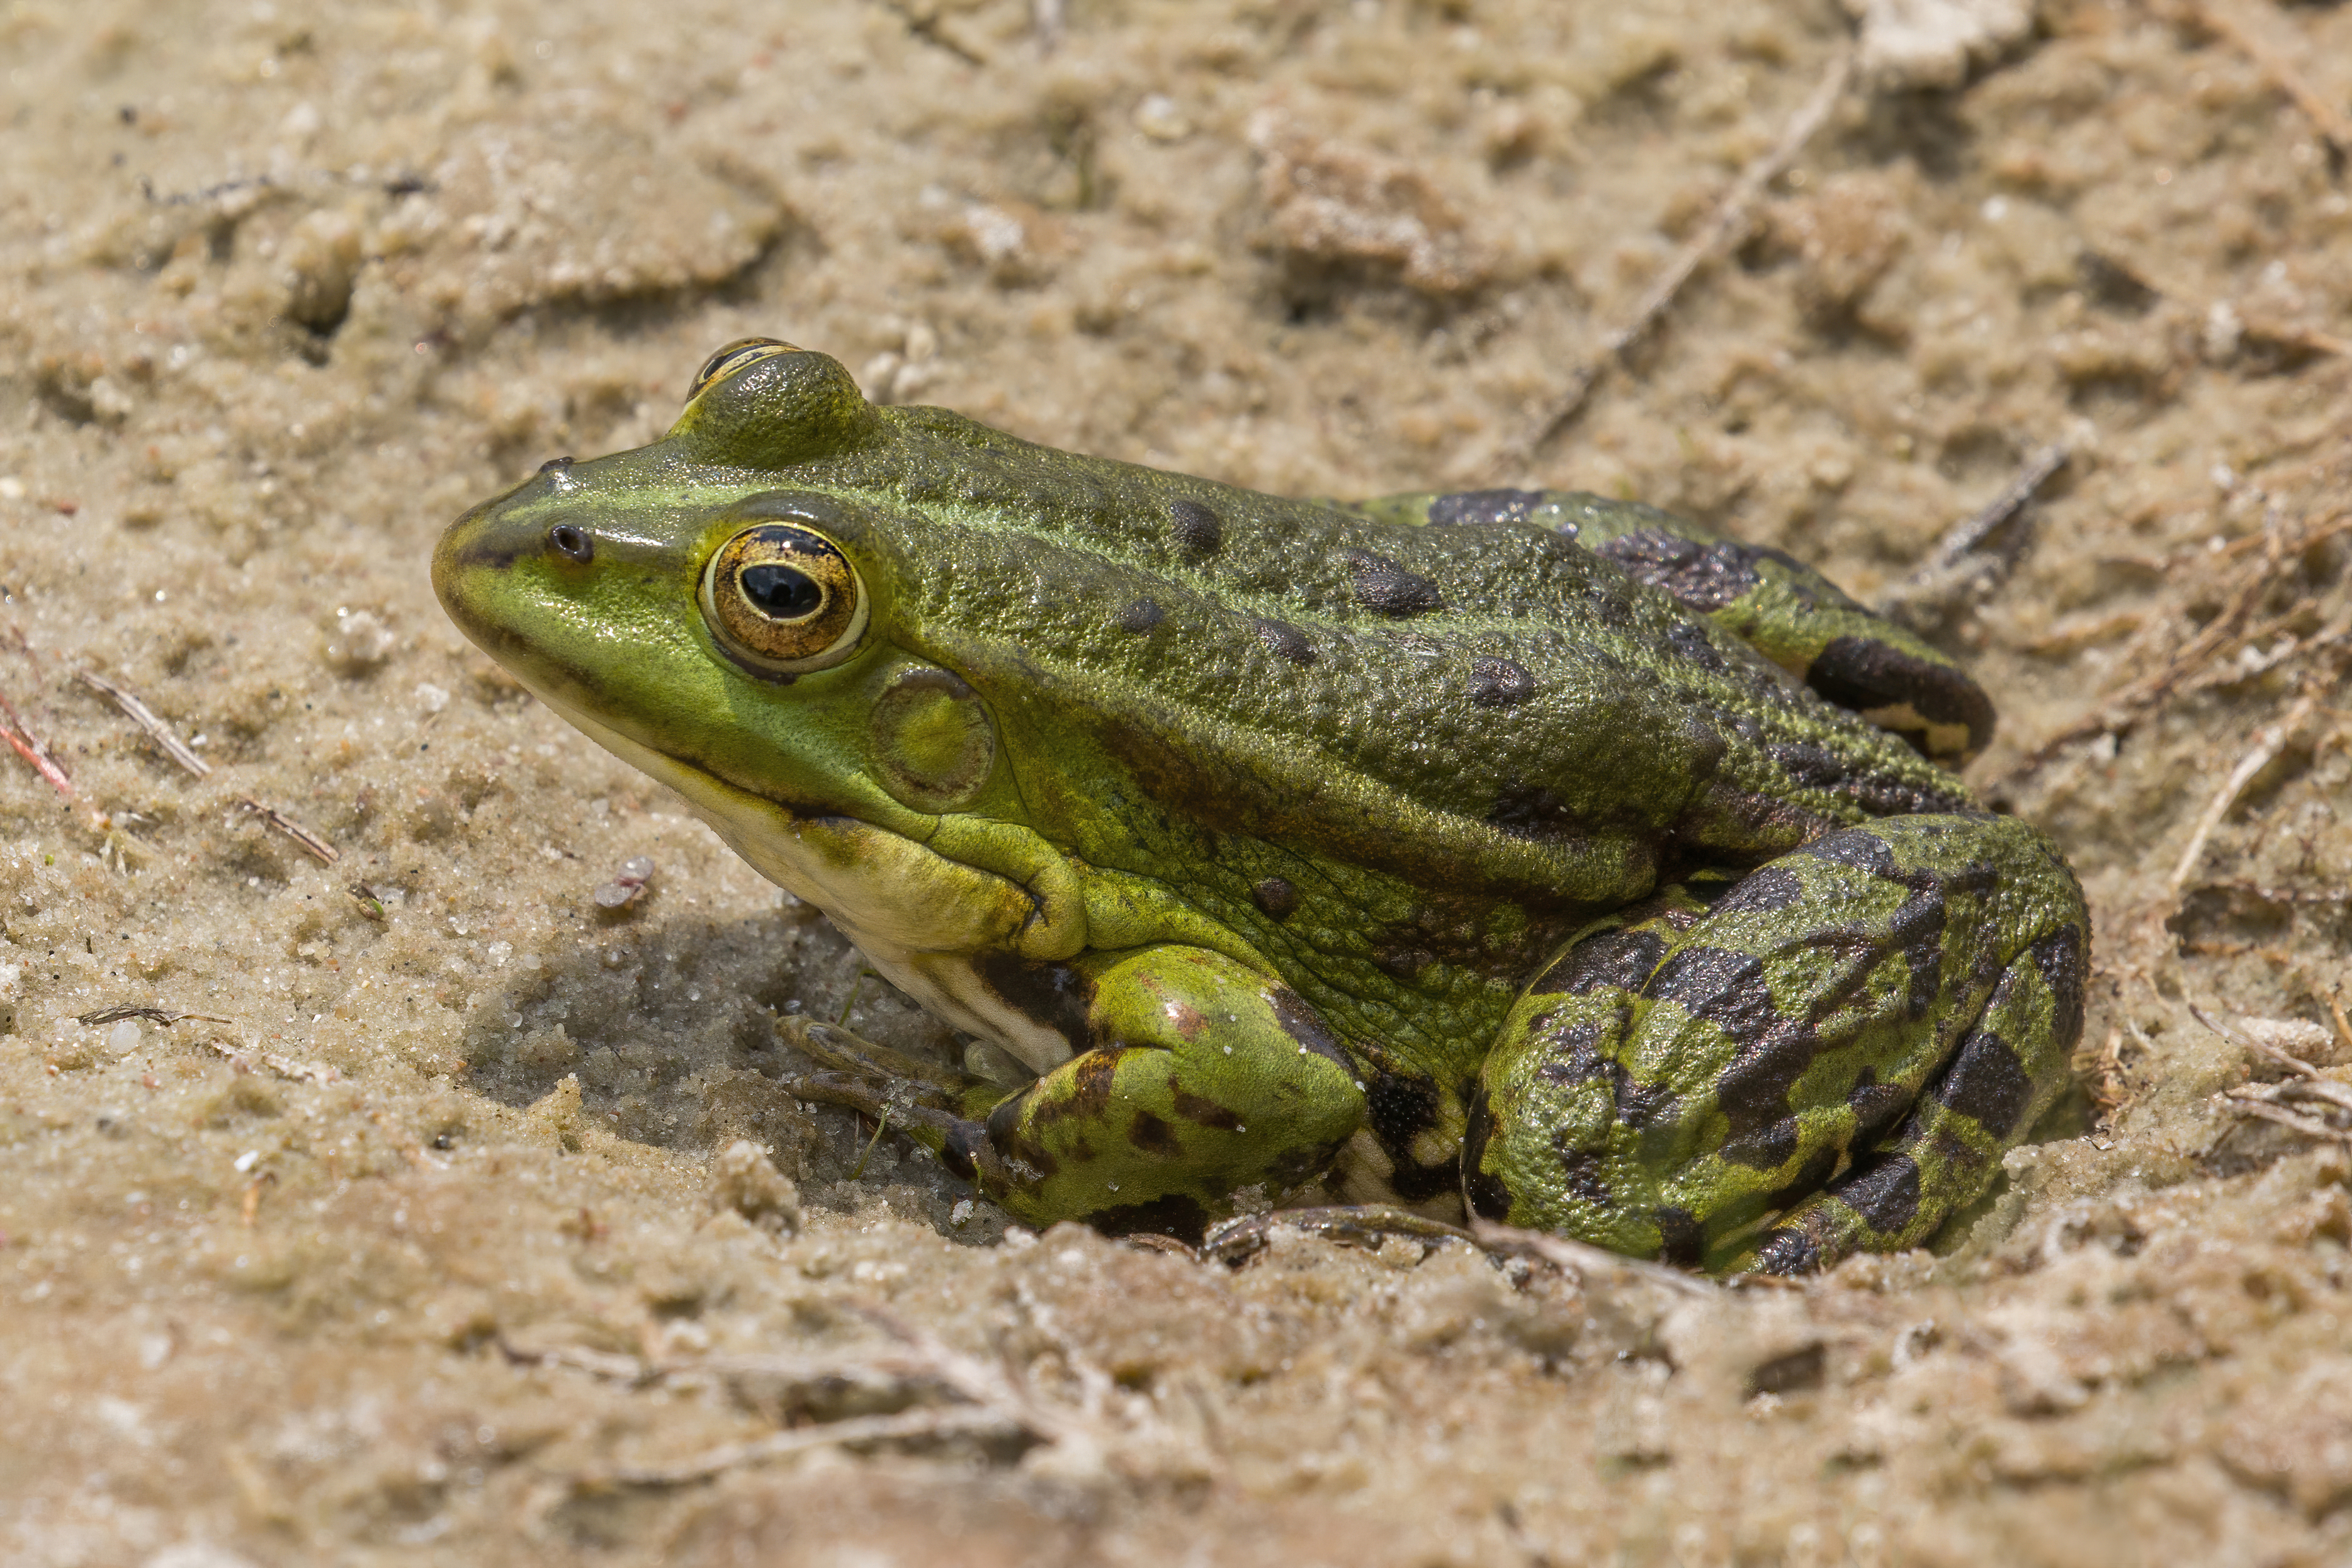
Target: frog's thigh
<point>1853,1034</point>
<point>1211,1079</point>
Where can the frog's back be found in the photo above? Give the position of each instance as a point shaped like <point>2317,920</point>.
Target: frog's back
<point>1496,706</point>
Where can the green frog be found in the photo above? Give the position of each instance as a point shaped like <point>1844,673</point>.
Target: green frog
<point>1516,850</point>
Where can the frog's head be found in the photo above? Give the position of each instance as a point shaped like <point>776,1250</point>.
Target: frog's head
<point>731,631</point>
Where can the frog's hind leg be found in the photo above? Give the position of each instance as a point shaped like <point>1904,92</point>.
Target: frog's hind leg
<point>1828,1055</point>
<point>1946,1151</point>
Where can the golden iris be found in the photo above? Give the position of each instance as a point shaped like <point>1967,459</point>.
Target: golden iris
<point>783,600</point>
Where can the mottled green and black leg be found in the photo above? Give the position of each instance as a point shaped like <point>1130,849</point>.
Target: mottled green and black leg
<point>1205,1079</point>
<point>1768,598</point>
<point>1829,1055</point>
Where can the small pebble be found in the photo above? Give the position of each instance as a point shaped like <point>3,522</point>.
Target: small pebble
<point>626,884</point>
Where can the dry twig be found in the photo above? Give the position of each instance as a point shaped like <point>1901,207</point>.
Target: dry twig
<point>163,1016</point>
<point>1729,220</point>
<point>1944,573</point>
<point>2263,1100</point>
<point>139,714</point>
<point>28,746</point>
<point>2268,743</point>
<point>2281,548</point>
<point>317,847</point>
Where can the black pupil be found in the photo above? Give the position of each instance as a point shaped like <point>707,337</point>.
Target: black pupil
<point>782,592</point>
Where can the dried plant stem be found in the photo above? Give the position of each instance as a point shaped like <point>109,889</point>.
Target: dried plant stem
<point>2279,549</point>
<point>2267,744</point>
<point>312,844</point>
<point>1971,533</point>
<point>2309,1126</point>
<point>139,714</point>
<point>1729,220</point>
<point>28,746</point>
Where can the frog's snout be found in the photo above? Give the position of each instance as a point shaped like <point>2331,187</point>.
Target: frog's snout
<point>471,563</point>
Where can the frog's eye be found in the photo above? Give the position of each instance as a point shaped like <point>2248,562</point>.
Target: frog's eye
<point>734,357</point>
<point>783,600</point>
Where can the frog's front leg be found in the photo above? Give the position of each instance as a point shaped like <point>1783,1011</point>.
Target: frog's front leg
<point>1207,1078</point>
<point>1828,1056</point>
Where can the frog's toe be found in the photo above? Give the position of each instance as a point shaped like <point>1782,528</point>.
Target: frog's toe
<point>840,1052</point>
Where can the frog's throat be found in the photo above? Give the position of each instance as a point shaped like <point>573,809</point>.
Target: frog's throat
<point>917,916</point>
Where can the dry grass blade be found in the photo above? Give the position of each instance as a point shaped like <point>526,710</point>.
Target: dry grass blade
<point>139,714</point>
<point>1729,220</point>
<point>319,847</point>
<point>2282,549</point>
<point>2268,743</point>
<point>28,746</point>
<point>2248,1105</point>
<point>163,1016</point>
<point>1971,534</point>
<point>2309,1082</point>
<point>957,1421</point>
<point>2248,1043</point>
<point>1583,1258</point>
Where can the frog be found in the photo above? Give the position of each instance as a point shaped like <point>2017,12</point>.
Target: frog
<point>1500,855</point>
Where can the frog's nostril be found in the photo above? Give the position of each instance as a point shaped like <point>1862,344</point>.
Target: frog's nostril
<point>572,541</point>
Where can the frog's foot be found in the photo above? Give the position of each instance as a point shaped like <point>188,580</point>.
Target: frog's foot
<point>1829,1057</point>
<point>912,1107</point>
<point>916,1082</point>
<point>1236,1240</point>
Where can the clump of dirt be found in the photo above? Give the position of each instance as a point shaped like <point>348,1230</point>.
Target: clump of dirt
<point>434,1202</point>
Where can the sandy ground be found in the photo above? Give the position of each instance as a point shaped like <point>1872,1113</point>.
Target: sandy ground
<point>441,1248</point>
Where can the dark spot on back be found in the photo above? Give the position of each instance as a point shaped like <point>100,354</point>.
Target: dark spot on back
<point>1691,644</point>
<point>1383,586</point>
<point>1499,682</point>
<point>1274,897</point>
<point>1762,891</point>
<point>1698,576</point>
<point>1877,1108</point>
<point>1858,848</point>
<point>1198,531</point>
<point>1286,639</point>
<point>1141,616</point>
<point>1764,1148</point>
<point>1473,507</point>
